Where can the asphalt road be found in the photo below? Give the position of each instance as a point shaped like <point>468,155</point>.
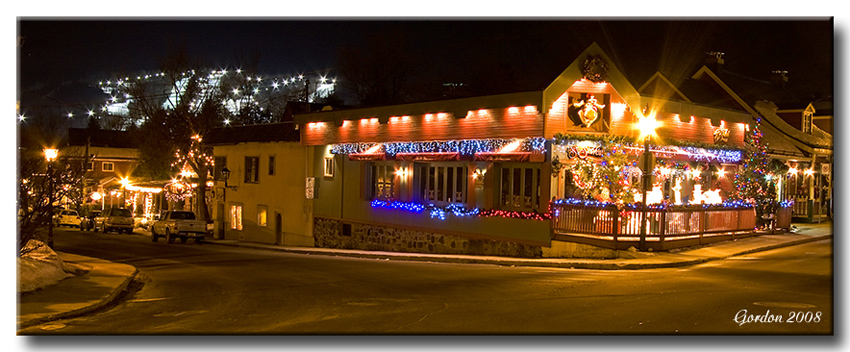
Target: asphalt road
<point>209,289</point>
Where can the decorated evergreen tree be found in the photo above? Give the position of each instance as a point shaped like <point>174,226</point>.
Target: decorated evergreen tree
<point>754,182</point>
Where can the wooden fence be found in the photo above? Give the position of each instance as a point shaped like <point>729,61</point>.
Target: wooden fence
<point>674,227</point>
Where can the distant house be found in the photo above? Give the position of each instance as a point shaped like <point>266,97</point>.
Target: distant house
<point>263,200</point>
<point>108,156</point>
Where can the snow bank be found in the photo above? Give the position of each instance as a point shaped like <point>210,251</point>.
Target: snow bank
<point>40,268</point>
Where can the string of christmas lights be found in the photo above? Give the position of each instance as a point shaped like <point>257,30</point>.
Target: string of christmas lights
<point>460,211</point>
<point>463,147</point>
<point>455,210</point>
<point>695,151</point>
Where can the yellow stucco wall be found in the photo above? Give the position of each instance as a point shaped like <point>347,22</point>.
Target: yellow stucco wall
<point>282,193</point>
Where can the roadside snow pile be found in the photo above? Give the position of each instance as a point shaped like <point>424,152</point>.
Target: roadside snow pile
<point>39,268</point>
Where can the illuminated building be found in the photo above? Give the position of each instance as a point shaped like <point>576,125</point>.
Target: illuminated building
<point>478,175</point>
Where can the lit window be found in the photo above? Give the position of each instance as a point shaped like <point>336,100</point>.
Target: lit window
<point>329,166</point>
<point>807,122</point>
<point>441,182</point>
<point>236,217</point>
<point>520,188</point>
<point>383,181</point>
<point>262,215</point>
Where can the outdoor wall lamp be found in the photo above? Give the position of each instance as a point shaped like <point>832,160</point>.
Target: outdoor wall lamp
<point>225,174</point>
<point>479,173</point>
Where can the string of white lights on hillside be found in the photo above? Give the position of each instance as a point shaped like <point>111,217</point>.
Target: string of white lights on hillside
<point>117,103</point>
<point>256,85</point>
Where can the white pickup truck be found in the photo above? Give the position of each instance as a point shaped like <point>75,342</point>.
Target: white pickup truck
<point>182,224</point>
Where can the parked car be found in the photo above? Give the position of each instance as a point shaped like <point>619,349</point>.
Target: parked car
<point>182,224</point>
<point>67,217</point>
<point>118,219</point>
<point>87,222</point>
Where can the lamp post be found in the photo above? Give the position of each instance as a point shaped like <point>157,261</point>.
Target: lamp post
<point>225,174</point>
<point>647,126</point>
<point>124,183</point>
<point>50,155</point>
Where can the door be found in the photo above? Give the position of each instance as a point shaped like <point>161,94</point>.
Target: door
<point>219,220</point>
<point>278,229</point>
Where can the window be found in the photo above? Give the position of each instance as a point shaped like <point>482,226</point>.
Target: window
<point>252,169</point>
<point>383,181</point>
<point>220,163</point>
<point>262,215</point>
<point>442,182</point>
<point>236,217</point>
<point>329,166</point>
<point>108,167</point>
<point>271,165</point>
<point>807,122</point>
<point>519,188</point>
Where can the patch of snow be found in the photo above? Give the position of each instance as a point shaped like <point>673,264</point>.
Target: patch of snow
<point>39,268</point>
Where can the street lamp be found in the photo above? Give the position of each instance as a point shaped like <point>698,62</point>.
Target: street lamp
<point>124,183</point>
<point>225,174</point>
<point>646,125</point>
<point>50,155</point>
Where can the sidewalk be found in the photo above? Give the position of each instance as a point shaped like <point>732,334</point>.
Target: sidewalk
<point>82,294</point>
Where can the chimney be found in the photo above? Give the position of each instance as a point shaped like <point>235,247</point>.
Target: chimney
<point>714,59</point>
<point>780,77</point>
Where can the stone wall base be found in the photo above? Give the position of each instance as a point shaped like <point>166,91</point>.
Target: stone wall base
<point>330,233</point>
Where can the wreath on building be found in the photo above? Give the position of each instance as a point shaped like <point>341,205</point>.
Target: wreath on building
<point>177,191</point>
<point>595,70</point>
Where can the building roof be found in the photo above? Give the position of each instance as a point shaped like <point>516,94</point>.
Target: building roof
<point>272,132</point>
<point>817,142</point>
<point>457,107</point>
<point>100,138</point>
<point>76,151</point>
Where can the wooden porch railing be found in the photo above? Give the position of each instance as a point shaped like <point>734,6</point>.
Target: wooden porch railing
<point>612,227</point>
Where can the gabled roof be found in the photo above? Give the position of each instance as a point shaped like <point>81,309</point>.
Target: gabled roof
<point>660,87</point>
<point>272,132</point>
<point>818,142</point>
<point>728,96</point>
<point>573,73</point>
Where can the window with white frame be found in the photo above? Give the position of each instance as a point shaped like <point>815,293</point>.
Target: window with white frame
<point>519,187</point>
<point>107,166</point>
<point>807,122</point>
<point>329,166</point>
<point>382,180</point>
<point>441,182</point>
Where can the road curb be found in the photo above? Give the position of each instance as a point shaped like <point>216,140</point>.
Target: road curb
<point>83,310</point>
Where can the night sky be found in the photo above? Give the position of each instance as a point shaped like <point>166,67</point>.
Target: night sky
<point>61,60</point>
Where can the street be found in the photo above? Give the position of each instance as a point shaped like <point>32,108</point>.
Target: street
<point>212,289</point>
